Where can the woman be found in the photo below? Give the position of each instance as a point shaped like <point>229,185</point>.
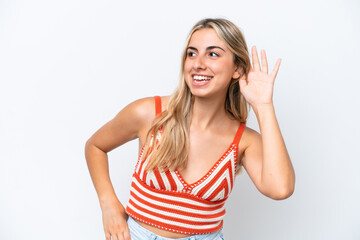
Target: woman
<point>194,142</point>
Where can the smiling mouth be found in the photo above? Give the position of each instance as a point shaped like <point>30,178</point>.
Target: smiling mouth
<point>201,78</point>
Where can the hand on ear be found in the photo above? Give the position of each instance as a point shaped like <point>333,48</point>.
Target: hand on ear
<point>238,73</point>
<point>257,85</point>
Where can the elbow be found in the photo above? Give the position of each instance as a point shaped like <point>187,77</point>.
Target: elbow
<point>281,195</point>
<point>89,148</point>
<point>282,188</point>
<point>279,191</point>
<point>87,145</point>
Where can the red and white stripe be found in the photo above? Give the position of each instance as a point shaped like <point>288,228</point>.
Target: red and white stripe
<point>165,200</point>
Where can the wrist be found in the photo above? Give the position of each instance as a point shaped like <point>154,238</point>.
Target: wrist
<point>263,107</point>
<point>110,202</point>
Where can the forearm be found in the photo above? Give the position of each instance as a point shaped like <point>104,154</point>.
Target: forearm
<point>98,165</point>
<point>277,173</point>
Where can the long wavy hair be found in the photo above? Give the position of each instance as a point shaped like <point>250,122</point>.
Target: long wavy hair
<point>171,151</point>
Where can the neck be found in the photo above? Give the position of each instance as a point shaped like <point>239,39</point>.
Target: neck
<point>207,112</point>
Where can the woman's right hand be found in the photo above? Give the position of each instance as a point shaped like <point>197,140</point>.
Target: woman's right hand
<point>130,123</point>
<point>115,221</point>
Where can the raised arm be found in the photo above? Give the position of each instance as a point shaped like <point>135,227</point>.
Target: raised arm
<point>130,123</point>
<point>265,158</point>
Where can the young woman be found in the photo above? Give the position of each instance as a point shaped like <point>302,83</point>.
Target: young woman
<point>194,142</point>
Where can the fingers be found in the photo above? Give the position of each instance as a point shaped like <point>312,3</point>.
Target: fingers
<point>119,237</point>
<point>264,62</point>
<point>108,236</point>
<point>127,234</point>
<point>114,235</point>
<point>256,63</point>
<point>115,222</point>
<point>255,59</point>
<point>276,69</point>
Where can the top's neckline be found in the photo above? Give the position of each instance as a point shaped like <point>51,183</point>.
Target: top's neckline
<point>208,173</point>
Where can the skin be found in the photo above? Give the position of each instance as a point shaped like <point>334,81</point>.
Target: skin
<point>264,156</point>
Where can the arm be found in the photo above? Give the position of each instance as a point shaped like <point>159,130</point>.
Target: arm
<point>265,158</point>
<point>129,123</point>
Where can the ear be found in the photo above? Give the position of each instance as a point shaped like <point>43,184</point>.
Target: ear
<point>238,73</point>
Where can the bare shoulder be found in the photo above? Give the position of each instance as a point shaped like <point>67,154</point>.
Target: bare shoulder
<point>165,102</point>
<point>250,148</point>
<point>141,110</point>
<point>144,109</point>
<point>131,122</point>
<point>250,137</point>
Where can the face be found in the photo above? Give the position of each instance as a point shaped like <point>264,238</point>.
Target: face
<point>209,65</point>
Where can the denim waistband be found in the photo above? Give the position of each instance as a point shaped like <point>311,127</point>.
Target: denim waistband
<point>137,232</point>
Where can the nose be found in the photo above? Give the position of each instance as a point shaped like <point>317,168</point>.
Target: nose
<point>199,63</point>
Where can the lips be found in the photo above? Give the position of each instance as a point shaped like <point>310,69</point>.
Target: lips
<point>201,80</point>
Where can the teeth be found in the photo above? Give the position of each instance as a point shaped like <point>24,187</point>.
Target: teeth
<point>201,78</point>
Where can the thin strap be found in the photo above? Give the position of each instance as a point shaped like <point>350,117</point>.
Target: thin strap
<point>157,105</point>
<point>239,134</point>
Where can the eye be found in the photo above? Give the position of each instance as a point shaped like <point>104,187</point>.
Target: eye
<point>191,54</point>
<point>213,54</point>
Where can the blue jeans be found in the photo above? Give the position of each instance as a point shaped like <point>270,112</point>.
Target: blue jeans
<point>138,232</point>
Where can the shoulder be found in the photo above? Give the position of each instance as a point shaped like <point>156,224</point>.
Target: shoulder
<point>250,135</point>
<point>164,102</point>
<point>144,108</point>
<point>249,138</point>
<point>142,113</point>
<point>130,123</point>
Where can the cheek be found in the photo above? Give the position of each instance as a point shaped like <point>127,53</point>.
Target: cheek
<point>226,69</point>
<point>187,67</point>
<point>220,69</point>
<point>187,70</point>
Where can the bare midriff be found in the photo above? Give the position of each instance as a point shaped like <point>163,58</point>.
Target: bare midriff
<point>161,232</point>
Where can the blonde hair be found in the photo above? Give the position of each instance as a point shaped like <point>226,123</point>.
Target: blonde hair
<point>172,150</point>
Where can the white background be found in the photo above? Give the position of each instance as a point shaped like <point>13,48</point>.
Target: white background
<point>67,67</point>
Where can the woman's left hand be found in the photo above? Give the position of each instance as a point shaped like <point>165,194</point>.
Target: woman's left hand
<point>257,88</point>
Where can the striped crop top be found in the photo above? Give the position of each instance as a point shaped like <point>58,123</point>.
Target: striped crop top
<point>165,200</point>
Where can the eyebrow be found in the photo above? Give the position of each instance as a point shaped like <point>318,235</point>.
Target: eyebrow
<point>207,49</point>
